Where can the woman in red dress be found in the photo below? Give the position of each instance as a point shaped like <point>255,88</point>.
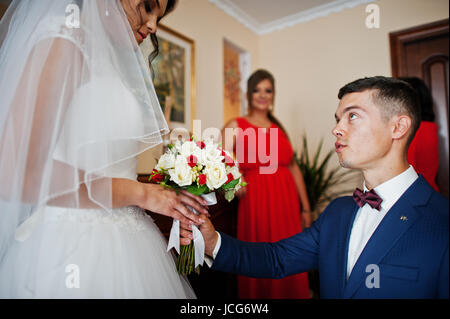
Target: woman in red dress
<point>423,152</point>
<point>269,207</point>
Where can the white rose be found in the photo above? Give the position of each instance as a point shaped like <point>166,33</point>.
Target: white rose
<point>166,161</point>
<point>216,175</point>
<point>211,154</point>
<point>182,173</point>
<point>189,148</point>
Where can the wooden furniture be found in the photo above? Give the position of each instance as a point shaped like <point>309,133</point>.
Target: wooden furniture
<point>209,284</point>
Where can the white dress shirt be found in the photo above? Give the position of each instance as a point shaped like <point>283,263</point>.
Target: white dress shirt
<point>367,218</point>
<point>209,260</point>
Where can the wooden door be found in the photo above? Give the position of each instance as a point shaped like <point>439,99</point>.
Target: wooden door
<point>423,52</point>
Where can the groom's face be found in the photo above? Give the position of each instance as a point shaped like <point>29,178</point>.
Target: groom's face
<point>362,134</point>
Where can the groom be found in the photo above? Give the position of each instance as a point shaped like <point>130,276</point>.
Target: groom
<point>391,242</point>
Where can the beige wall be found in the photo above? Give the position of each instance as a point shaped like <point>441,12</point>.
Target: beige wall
<point>311,61</point>
<point>207,25</point>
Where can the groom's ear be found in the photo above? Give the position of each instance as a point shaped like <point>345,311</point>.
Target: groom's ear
<point>401,126</point>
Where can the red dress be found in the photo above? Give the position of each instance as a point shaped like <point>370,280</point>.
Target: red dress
<point>423,153</point>
<point>269,211</point>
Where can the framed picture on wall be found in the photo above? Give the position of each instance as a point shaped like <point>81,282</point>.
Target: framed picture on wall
<point>174,76</point>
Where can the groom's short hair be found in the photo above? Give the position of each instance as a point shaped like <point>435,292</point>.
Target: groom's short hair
<point>393,96</point>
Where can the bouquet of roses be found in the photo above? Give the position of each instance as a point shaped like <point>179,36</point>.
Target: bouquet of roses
<point>202,168</point>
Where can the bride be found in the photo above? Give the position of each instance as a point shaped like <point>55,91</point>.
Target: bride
<point>77,107</point>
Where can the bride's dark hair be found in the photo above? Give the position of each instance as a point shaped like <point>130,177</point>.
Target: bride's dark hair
<point>169,8</point>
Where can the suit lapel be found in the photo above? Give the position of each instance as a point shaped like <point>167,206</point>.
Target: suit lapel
<point>344,237</point>
<point>396,222</point>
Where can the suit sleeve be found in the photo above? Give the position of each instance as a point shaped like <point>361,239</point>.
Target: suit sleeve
<point>289,256</point>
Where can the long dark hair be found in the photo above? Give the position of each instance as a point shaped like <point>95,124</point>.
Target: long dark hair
<point>169,8</point>
<point>252,82</point>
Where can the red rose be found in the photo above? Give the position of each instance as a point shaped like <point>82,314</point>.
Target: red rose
<point>230,178</point>
<point>157,178</point>
<point>192,161</point>
<point>202,179</point>
<point>201,144</point>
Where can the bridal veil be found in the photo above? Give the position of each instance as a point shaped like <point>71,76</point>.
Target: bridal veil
<point>63,124</point>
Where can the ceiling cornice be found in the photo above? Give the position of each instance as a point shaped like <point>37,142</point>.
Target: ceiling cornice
<point>288,21</point>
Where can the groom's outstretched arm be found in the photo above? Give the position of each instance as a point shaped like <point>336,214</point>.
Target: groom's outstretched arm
<point>289,256</point>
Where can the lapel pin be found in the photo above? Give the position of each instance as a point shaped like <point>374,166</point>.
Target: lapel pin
<point>404,218</point>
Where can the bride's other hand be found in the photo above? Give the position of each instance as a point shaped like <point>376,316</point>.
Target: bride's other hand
<point>167,202</point>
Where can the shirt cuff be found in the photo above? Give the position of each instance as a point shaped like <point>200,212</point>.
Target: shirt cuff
<point>208,260</point>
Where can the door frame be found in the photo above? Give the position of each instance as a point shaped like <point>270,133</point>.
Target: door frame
<point>399,39</point>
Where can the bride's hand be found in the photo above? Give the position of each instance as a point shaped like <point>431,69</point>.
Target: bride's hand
<point>167,202</point>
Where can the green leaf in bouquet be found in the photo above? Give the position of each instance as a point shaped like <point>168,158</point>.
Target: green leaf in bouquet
<point>231,184</point>
<point>197,190</point>
<point>166,179</point>
<point>229,195</point>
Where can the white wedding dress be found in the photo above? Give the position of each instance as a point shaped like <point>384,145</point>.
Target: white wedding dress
<point>93,253</point>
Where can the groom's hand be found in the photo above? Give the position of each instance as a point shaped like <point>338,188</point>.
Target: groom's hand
<point>209,235</point>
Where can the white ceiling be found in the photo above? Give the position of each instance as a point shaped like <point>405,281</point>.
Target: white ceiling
<point>265,16</point>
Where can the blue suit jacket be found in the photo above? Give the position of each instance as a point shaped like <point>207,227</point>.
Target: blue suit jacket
<point>410,254</point>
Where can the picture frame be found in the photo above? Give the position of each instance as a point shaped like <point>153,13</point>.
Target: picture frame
<point>174,76</point>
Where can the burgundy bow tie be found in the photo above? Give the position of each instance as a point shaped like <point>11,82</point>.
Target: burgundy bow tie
<point>371,198</point>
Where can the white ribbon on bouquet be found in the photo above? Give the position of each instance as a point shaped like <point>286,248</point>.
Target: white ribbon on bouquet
<point>199,243</point>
